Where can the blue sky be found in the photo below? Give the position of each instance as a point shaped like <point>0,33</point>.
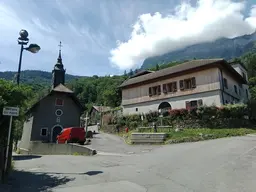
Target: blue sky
<point>106,37</point>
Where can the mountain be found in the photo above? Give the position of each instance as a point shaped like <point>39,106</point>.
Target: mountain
<point>221,48</point>
<point>34,77</point>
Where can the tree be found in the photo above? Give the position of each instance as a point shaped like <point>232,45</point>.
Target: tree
<point>252,87</point>
<point>157,67</point>
<point>249,59</point>
<point>131,72</point>
<point>12,95</point>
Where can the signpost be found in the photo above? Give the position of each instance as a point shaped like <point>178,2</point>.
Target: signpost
<point>12,112</point>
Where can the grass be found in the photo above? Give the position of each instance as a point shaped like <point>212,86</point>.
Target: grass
<point>79,154</point>
<point>18,151</point>
<point>192,135</point>
<point>126,137</point>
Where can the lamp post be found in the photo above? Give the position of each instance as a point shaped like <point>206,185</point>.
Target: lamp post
<point>33,48</point>
<point>161,116</point>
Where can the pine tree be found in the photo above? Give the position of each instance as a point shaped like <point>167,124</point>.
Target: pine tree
<point>157,67</point>
<point>131,72</point>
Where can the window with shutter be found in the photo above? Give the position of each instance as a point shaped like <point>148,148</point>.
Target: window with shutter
<point>193,104</point>
<point>187,84</point>
<point>193,82</point>
<point>235,88</point>
<point>181,84</point>
<point>159,89</point>
<point>174,86</point>
<point>59,102</point>
<point>150,91</point>
<point>200,102</point>
<point>187,105</point>
<point>169,87</point>
<point>164,88</point>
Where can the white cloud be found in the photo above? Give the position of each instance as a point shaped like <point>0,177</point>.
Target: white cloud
<point>252,18</point>
<point>156,34</point>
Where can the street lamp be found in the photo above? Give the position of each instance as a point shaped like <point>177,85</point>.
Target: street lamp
<point>33,48</point>
<point>161,116</point>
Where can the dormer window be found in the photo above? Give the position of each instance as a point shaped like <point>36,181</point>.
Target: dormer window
<point>59,102</point>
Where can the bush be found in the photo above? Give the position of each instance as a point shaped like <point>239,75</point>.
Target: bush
<point>228,116</point>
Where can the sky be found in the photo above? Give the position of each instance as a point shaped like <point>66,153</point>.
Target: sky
<point>106,37</point>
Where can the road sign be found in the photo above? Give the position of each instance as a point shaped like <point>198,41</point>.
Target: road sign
<point>11,111</point>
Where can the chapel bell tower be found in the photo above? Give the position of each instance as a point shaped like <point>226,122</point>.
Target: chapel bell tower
<point>58,73</point>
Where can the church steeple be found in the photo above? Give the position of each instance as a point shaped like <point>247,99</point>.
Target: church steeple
<point>59,60</point>
<point>58,73</point>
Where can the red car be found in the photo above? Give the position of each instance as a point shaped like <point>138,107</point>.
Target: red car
<point>72,135</point>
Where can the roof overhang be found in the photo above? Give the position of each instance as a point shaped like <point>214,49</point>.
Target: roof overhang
<point>221,63</point>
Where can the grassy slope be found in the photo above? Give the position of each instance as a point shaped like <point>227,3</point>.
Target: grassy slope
<point>192,135</point>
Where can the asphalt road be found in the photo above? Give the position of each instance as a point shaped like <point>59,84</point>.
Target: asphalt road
<point>111,144</point>
<point>223,165</point>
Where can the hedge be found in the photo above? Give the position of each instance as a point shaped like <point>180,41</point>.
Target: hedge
<point>228,116</point>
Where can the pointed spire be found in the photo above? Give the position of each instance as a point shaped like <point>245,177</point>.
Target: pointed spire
<point>59,58</point>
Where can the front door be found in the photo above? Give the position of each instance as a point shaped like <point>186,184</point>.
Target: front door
<point>56,130</point>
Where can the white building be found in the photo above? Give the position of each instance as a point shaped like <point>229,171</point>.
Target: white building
<point>188,85</point>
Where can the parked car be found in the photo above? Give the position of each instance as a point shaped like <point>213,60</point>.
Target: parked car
<point>72,135</point>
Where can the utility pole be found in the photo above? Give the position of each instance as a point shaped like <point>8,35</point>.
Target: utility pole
<point>86,124</point>
<point>100,115</point>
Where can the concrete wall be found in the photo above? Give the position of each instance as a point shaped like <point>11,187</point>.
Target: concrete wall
<point>26,134</point>
<point>206,80</point>
<point>209,98</point>
<point>45,116</point>
<point>57,149</point>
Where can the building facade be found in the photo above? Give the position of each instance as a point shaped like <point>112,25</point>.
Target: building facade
<point>191,84</point>
<point>57,110</point>
<point>96,113</point>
